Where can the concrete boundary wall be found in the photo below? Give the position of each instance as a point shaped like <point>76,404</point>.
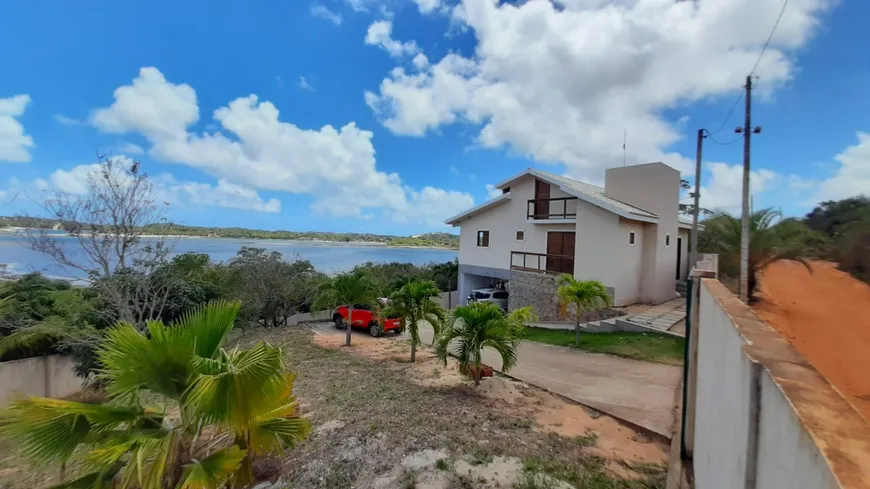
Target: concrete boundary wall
<point>763,416</point>
<point>48,376</point>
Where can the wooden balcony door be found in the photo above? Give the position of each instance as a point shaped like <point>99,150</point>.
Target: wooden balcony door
<point>560,243</point>
<point>541,208</point>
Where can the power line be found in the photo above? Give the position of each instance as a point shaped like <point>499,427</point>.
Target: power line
<point>738,138</point>
<point>754,67</point>
<point>728,115</point>
<point>772,31</point>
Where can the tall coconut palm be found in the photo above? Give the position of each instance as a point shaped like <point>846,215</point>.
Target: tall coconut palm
<point>233,405</point>
<point>349,289</point>
<point>771,239</point>
<point>586,295</point>
<point>474,327</point>
<point>415,303</point>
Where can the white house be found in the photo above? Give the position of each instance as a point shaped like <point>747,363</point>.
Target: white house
<point>627,235</point>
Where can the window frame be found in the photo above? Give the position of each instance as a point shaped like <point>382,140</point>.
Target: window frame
<point>632,238</point>
<point>516,235</point>
<point>479,236</point>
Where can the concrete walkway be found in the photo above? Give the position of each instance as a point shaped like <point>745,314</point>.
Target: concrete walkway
<point>641,393</point>
<point>661,317</point>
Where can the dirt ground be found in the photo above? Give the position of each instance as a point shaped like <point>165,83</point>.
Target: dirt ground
<point>826,316</point>
<point>382,422</point>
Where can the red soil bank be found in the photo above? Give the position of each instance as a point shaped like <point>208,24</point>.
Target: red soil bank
<point>825,316</point>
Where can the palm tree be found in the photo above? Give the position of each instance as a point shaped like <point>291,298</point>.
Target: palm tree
<point>586,295</point>
<point>347,289</point>
<point>477,326</point>
<point>415,303</point>
<point>771,239</point>
<point>233,405</point>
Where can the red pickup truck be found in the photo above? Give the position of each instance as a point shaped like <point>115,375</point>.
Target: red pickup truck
<point>366,318</point>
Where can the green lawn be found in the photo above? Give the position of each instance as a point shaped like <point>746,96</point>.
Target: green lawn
<point>650,347</point>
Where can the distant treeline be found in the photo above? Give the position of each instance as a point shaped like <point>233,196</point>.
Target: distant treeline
<point>428,240</point>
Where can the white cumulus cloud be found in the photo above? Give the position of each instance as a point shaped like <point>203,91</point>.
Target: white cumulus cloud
<point>852,177</point>
<point>724,192</point>
<point>165,188</point>
<point>380,33</point>
<point>561,81</point>
<point>14,143</point>
<point>335,166</point>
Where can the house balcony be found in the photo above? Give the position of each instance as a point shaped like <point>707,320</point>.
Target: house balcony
<point>555,209</point>
<point>542,263</point>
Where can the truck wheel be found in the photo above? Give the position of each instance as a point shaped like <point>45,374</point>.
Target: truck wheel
<point>375,329</point>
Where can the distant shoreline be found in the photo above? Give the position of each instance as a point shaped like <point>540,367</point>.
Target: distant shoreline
<point>19,231</point>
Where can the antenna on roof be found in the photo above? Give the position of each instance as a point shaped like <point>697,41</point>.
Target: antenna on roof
<point>624,137</point>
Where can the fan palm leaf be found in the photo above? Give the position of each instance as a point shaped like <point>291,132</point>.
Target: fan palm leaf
<point>244,393</point>
<point>473,328</point>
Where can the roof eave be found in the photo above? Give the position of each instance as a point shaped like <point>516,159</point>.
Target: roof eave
<point>457,219</point>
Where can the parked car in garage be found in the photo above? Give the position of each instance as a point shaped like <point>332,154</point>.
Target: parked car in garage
<point>366,318</point>
<point>497,296</point>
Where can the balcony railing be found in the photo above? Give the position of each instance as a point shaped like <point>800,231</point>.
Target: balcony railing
<point>555,208</point>
<point>542,262</point>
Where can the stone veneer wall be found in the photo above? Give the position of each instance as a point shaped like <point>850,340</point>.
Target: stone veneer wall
<point>536,290</point>
<point>540,291</point>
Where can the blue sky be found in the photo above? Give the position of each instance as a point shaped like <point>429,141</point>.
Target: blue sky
<point>409,109</point>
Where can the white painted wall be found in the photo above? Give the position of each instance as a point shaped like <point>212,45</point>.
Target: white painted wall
<point>48,376</point>
<point>794,430</point>
<point>788,456</point>
<point>654,187</point>
<point>627,279</point>
<point>722,402</point>
<point>643,272</point>
<point>503,221</point>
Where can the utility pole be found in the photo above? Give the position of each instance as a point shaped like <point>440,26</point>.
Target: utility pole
<point>744,220</point>
<point>693,252</point>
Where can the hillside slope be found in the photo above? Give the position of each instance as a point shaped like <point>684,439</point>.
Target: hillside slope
<point>825,316</point>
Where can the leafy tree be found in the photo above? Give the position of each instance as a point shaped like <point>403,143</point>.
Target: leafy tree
<point>585,295</point>
<point>350,289</point>
<point>771,239</point>
<point>233,405</point>
<point>415,303</point>
<point>477,326</point>
<point>43,316</point>
<point>831,217</point>
<point>271,289</point>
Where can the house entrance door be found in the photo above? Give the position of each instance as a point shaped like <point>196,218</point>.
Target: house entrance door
<point>562,244</point>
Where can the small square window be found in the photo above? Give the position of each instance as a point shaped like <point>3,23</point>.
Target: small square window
<point>667,240</point>
<point>521,235</point>
<point>631,238</point>
<point>483,239</point>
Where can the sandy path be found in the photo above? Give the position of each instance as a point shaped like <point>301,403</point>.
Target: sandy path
<point>826,316</point>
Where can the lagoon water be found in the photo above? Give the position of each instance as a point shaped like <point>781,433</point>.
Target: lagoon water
<point>326,257</point>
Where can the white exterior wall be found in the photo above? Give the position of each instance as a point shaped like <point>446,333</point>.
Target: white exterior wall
<point>503,221</point>
<point>788,457</point>
<point>627,281</point>
<point>48,376</point>
<point>654,187</point>
<point>722,402</point>
<point>808,435</point>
